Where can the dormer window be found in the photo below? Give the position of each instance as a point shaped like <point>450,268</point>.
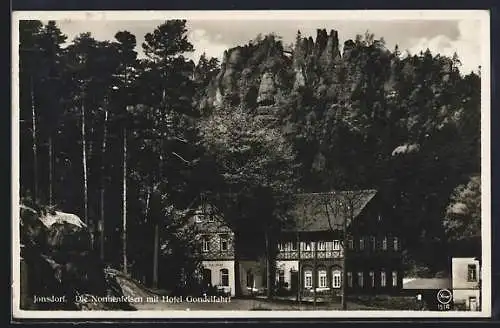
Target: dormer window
<point>350,243</point>
<point>373,243</point>
<point>198,216</point>
<point>361,243</point>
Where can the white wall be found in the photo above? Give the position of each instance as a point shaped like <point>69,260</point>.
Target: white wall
<point>462,295</point>
<point>459,274</point>
<point>462,288</point>
<point>216,266</point>
<point>287,266</point>
<point>258,271</point>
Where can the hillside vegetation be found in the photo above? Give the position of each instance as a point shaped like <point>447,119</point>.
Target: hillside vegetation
<point>244,135</point>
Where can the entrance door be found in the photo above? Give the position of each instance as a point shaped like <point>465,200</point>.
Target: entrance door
<point>472,304</point>
<point>207,277</point>
<point>294,281</point>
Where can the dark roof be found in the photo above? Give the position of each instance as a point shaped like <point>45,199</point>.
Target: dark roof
<point>428,283</point>
<point>322,212</point>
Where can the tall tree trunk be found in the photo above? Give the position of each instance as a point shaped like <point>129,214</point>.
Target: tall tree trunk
<point>84,164</point>
<point>155,254</point>
<point>35,141</point>
<point>156,238</point>
<point>315,273</point>
<point>148,198</point>
<point>51,171</point>
<point>344,266</point>
<point>124,230</point>
<point>268,267</point>
<point>103,177</point>
<point>299,268</point>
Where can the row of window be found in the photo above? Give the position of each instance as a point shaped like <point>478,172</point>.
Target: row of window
<point>336,280</point>
<point>308,246</point>
<point>223,277</point>
<point>336,244</point>
<point>199,217</point>
<point>223,243</point>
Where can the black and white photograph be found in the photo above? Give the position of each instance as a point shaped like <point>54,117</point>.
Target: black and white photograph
<point>250,164</point>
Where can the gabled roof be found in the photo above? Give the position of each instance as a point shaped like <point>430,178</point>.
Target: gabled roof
<point>327,211</point>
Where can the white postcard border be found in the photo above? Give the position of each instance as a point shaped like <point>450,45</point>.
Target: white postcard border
<point>359,15</point>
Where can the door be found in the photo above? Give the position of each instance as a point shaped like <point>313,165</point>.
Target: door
<point>472,304</point>
<point>294,281</point>
<point>207,277</point>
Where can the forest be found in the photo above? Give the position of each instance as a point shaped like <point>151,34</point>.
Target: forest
<point>134,144</point>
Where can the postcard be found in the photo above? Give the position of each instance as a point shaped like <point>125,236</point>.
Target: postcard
<point>251,164</point>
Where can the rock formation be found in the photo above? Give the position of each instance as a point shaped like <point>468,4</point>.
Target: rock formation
<point>57,261</point>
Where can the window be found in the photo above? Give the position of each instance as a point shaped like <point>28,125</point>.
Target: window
<point>281,246</point>
<point>205,244</point>
<point>373,243</point>
<point>349,279</point>
<point>384,243</point>
<point>394,278</point>
<point>224,243</point>
<point>372,279</point>
<point>351,243</point>
<point>308,279</point>
<point>308,246</point>
<point>293,246</point>
<point>396,243</point>
<point>336,245</point>
<point>471,272</point>
<point>391,94</point>
<point>383,279</point>
<point>362,244</point>
<point>322,279</point>
<point>360,279</point>
<point>336,279</point>
<point>321,246</point>
<point>224,277</point>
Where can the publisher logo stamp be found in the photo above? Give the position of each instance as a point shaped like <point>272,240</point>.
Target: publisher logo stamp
<point>444,298</point>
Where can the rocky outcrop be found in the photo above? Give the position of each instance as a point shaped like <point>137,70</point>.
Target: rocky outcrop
<point>267,90</point>
<point>57,261</point>
<point>260,74</point>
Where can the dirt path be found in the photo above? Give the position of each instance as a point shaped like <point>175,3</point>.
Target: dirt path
<point>134,289</point>
<point>242,305</point>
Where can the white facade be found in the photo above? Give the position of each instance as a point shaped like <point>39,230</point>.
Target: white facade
<point>286,268</point>
<point>466,276</point>
<point>252,276</point>
<point>222,274</point>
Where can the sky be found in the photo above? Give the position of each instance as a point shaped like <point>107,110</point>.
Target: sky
<point>212,36</point>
